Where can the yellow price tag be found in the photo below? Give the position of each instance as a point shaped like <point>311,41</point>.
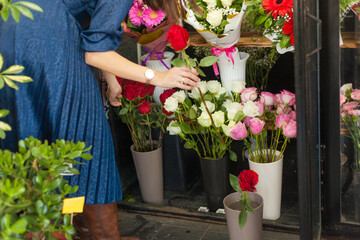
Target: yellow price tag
<point>73,205</point>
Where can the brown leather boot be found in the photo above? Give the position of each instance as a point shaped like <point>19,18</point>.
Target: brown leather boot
<point>82,230</point>
<point>103,223</point>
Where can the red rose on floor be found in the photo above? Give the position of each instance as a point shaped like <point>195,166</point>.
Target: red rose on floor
<point>144,107</point>
<point>288,28</point>
<point>248,179</point>
<point>166,94</point>
<point>178,37</point>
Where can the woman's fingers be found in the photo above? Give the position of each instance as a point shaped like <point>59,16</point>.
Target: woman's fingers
<point>192,70</point>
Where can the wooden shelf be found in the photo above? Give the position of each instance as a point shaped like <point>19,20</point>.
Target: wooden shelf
<point>249,39</point>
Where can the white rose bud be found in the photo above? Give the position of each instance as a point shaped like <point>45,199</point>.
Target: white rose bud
<point>203,87</point>
<point>171,104</point>
<point>210,3</point>
<point>213,86</point>
<point>215,18</point>
<point>209,105</point>
<point>204,119</point>
<point>250,109</point>
<point>180,96</point>
<point>227,3</point>
<point>226,129</point>
<point>233,109</point>
<point>219,118</point>
<point>237,86</point>
<point>220,92</point>
<point>194,94</point>
<point>172,129</point>
<point>345,87</point>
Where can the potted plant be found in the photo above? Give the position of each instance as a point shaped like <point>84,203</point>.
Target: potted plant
<point>269,124</point>
<point>244,208</point>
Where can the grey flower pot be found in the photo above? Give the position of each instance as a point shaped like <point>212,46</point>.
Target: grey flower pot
<point>253,227</point>
<point>149,169</point>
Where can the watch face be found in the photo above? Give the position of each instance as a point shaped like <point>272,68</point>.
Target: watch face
<point>149,74</point>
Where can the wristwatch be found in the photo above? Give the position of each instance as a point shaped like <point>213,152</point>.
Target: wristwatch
<point>149,75</point>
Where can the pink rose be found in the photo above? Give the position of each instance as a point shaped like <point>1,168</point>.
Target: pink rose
<point>292,115</point>
<point>355,94</point>
<point>343,115</point>
<point>247,121</point>
<point>282,120</point>
<point>249,94</point>
<point>342,99</point>
<point>260,106</point>
<point>282,108</point>
<point>350,106</point>
<point>256,126</point>
<point>294,107</point>
<point>290,129</point>
<point>354,112</point>
<point>238,132</point>
<point>287,97</point>
<point>278,98</point>
<point>267,98</point>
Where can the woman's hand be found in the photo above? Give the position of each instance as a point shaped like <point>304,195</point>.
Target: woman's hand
<point>114,94</point>
<point>176,77</point>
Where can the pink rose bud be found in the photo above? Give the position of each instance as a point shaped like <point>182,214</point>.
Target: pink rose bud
<point>355,94</point>
<point>249,94</point>
<point>292,115</point>
<point>282,108</point>
<point>282,120</point>
<point>342,99</point>
<point>256,126</point>
<point>290,129</point>
<point>267,98</point>
<point>260,106</point>
<point>238,132</point>
<point>350,106</point>
<point>287,97</point>
<point>247,121</point>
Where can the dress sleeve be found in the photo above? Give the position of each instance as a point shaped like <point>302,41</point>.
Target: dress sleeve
<point>105,31</point>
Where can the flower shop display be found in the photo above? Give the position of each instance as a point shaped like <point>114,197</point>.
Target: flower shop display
<point>219,22</point>
<point>141,117</point>
<point>244,208</point>
<point>268,125</point>
<point>148,28</point>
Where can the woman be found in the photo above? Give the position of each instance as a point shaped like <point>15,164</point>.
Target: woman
<point>64,102</point>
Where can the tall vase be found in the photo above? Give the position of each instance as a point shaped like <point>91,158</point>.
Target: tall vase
<point>215,174</point>
<point>230,72</point>
<point>158,66</point>
<point>149,169</point>
<point>253,227</point>
<point>269,185</point>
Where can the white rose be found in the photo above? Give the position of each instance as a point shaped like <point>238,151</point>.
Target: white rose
<point>171,104</point>
<point>226,129</point>
<point>227,3</point>
<point>219,118</point>
<point>194,94</point>
<point>210,3</point>
<point>220,92</point>
<point>233,109</point>
<point>215,17</point>
<point>227,104</point>
<point>204,119</point>
<point>180,96</point>
<point>172,129</point>
<point>203,87</point>
<point>345,87</point>
<point>237,86</point>
<point>209,105</point>
<point>213,86</point>
<point>195,108</point>
<point>250,109</point>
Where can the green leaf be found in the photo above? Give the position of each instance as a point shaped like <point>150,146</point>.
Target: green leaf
<point>242,218</point>
<point>233,156</point>
<point>19,78</point>
<point>5,222</point>
<point>30,5</point>
<point>1,82</point>
<point>53,184</point>
<point>234,181</point>
<point>239,116</point>
<point>1,61</point>
<point>2,134</point>
<point>5,13</point>
<point>4,113</point>
<point>192,62</point>
<point>201,73</point>
<point>261,19</point>
<point>67,220</point>
<point>75,154</point>
<point>5,126</point>
<point>208,61</point>
<point>185,128</point>
<point>14,69</point>
<point>285,41</point>
<point>188,145</point>
<point>192,113</point>
<point>177,62</point>
<point>26,12</point>
<point>268,22</point>
<point>10,83</point>
<point>123,111</point>
<point>86,156</point>
<point>39,205</point>
<point>250,209</point>
<point>19,226</point>
<point>15,13</point>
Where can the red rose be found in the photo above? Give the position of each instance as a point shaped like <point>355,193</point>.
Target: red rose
<point>119,80</point>
<point>166,94</point>
<point>129,93</point>
<point>141,90</point>
<point>166,112</point>
<point>150,90</point>
<point>144,107</point>
<point>178,37</point>
<point>248,179</point>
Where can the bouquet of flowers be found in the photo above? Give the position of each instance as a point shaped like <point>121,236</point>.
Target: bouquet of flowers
<point>275,113</point>
<point>275,20</point>
<point>350,112</point>
<point>243,183</point>
<point>140,115</point>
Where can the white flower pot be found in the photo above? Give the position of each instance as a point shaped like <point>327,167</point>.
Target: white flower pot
<point>158,66</point>
<point>230,72</point>
<point>269,185</point>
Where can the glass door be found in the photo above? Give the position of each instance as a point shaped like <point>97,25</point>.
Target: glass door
<point>307,80</point>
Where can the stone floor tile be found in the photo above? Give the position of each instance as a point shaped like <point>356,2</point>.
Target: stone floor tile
<point>171,232</point>
<point>215,236</point>
<point>270,235</point>
<point>138,225</point>
<point>218,228</point>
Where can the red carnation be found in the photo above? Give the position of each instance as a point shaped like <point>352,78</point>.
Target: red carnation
<point>247,180</point>
<point>178,37</point>
<point>144,107</point>
<point>166,94</point>
<point>288,28</point>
